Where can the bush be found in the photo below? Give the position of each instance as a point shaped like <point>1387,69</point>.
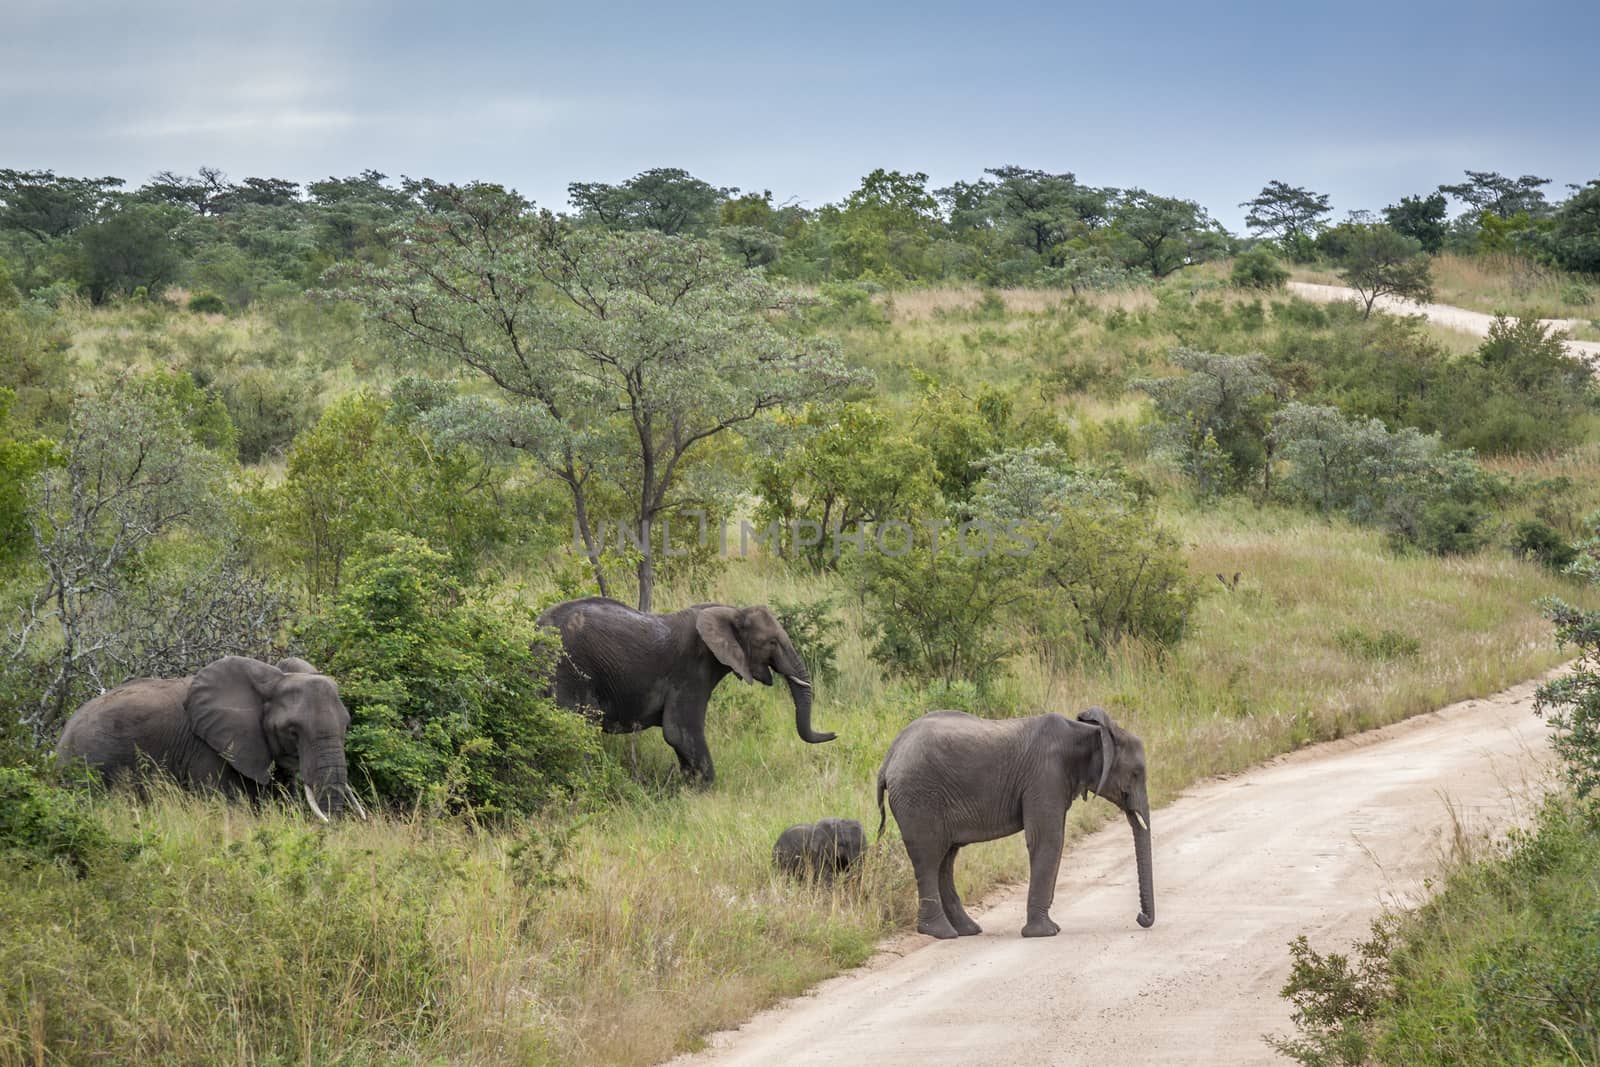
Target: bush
<point>1405,481</point>
<point>815,633</point>
<point>44,824</point>
<point>1537,541</point>
<point>1214,418</point>
<point>362,469</point>
<point>1578,296</point>
<point>937,610</point>
<point>1258,269</point>
<point>206,303</point>
<point>1572,701</point>
<point>448,692</point>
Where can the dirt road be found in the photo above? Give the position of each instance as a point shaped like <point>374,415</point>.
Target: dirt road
<point>1315,843</point>
<point>1473,322</point>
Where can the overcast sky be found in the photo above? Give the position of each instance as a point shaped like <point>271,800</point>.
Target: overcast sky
<point>1367,102</point>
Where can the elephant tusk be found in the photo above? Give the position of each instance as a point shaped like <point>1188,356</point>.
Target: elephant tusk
<point>1140,816</point>
<point>355,802</point>
<point>801,682</point>
<point>312,800</point>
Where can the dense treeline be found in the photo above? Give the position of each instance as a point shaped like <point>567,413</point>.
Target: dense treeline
<point>232,243</point>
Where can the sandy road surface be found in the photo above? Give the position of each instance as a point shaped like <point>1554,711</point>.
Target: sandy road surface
<point>1314,842</point>
<point>1473,322</point>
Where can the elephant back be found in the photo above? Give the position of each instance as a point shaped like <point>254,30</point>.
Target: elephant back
<point>109,731</point>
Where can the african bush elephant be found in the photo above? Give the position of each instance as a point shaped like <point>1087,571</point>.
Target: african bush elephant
<point>953,780</point>
<point>639,670</point>
<point>224,730</point>
<point>822,850</point>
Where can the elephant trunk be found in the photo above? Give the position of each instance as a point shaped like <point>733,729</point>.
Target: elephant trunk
<point>1141,851</point>
<point>800,689</point>
<point>325,781</point>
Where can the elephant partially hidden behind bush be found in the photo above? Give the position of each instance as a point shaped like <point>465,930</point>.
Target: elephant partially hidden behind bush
<point>639,670</point>
<point>224,730</point>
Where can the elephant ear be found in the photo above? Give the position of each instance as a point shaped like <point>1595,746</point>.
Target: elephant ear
<point>225,704</point>
<point>1098,718</point>
<point>718,628</point>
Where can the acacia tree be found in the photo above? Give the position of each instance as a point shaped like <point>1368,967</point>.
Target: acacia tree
<point>1286,211</point>
<point>1377,261</point>
<point>666,199</point>
<point>614,356</point>
<point>1163,234</point>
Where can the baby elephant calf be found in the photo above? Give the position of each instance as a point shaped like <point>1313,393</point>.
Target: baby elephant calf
<point>823,849</point>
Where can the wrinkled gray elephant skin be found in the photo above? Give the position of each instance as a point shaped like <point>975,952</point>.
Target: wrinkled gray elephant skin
<point>821,850</point>
<point>953,780</point>
<point>636,670</point>
<point>225,729</point>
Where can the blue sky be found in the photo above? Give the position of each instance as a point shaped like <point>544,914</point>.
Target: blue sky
<point>1364,101</point>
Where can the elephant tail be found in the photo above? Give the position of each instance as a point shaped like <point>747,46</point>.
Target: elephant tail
<point>883,816</point>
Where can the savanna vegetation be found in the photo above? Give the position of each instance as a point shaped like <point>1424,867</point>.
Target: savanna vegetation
<point>1015,445</point>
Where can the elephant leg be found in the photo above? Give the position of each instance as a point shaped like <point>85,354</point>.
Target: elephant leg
<point>959,919</point>
<point>1044,839</point>
<point>689,742</point>
<point>927,861</point>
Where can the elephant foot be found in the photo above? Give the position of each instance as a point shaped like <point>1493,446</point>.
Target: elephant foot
<point>1042,927</point>
<point>964,926</point>
<point>939,928</point>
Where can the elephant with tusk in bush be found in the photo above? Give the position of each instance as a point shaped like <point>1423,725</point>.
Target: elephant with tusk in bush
<point>953,780</point>
<point>638,670</point>
<point>224,729</point>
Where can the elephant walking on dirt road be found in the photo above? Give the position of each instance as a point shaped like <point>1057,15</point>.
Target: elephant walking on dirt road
<point>954,780</point>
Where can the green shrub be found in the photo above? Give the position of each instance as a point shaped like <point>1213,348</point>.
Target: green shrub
<point>1576,295</point>
<point>1572,701</point>
<point>42,823</point>
<point>207,303</point>
<point>815,632</point>
<point>448,691</point>
<point>1258,269</point>
<point>1404,480</point>
<point>362,469</point>
<point>1215,417</point>
<point>1336,1000</point>
<point>1536,540</point>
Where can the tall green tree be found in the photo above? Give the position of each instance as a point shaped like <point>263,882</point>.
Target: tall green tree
<point>1163,234</point>
<point>1286,212</point>
<point>1574,239</point>
<point>45,206</point>
<point>615,357</point>
<point>1042,211</point>
<point>1503,197</point>
<point>665,199</point>
<point>130,248</point>
<point>1421,217</point>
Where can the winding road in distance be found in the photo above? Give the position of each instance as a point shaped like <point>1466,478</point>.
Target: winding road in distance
<point>1315,842</point>
<point>1473,322</point>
